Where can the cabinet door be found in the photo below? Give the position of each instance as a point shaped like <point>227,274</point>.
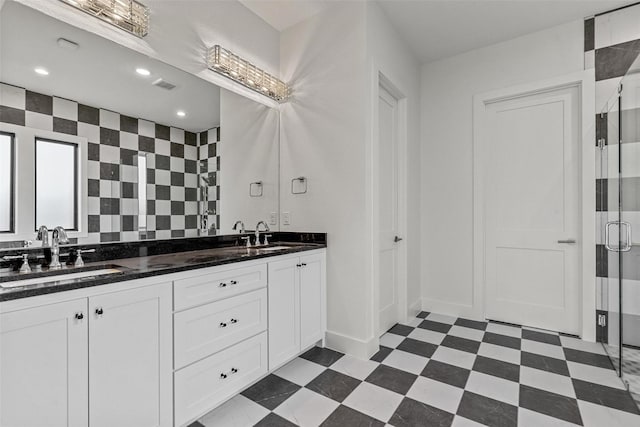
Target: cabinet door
<point>43,366</point>
<point>130,362</point>
<point>312,299</point>
<point>284,311</point>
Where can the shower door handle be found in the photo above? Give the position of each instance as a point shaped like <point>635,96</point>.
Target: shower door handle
<point>607,235</point>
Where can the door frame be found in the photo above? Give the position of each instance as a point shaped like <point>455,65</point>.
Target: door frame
<point>584,81</point>
<point>381,80</point>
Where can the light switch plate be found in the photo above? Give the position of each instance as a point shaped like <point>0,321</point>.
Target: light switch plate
<point>286,218</point>
<point>273,218</point>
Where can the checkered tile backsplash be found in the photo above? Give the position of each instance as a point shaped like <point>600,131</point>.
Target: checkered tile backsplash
<point>114,141</point>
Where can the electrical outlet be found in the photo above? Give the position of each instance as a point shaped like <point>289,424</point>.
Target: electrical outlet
<point>273,218</point>
<point>286,218</point>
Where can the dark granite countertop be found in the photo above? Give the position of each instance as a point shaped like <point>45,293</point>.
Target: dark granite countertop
<point>140,267</point>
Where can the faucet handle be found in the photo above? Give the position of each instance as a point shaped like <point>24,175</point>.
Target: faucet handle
<point>24,268</point>
<point>266,238</point>
<point>248,240</point>
<point>79,261</point>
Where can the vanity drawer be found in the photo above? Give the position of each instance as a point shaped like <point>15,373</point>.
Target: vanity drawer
<point>202,331</point>
<point>204,385</point>
<point>214,285</point>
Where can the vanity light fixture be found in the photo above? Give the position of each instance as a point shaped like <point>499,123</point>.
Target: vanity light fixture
<point>242,71</point>
<point>41,71</point>
<point>129,15</point>
<point>143,72</point>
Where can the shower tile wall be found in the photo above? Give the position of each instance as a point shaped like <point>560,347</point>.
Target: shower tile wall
<point>114,143</point>
<point>208,154</point>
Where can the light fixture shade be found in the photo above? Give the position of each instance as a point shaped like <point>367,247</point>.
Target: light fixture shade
<point>128,15</point>
<point>230,65</point>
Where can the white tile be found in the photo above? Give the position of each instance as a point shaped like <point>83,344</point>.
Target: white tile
<point>498,328</point>
<point>548,381</point>
<point>391,340</point>
<point>237,412</point>
<point>442,318</point>
<point>589,59</point>
<point>599,416</point>
<point>105,223</point>
<point>12,96</point>
<point>65,109</point>
<point>177,193</point>
<point>163,147</point>
<point>437,394</point>
<point>374,401</point>
<point>176,164</point>
<point>617,27</point>
<point>354,367</point>
<point>459,421</point>
<point>454,357</point>
<point>190,208</point>
<point>128,206</point>
<point>543,349</point>
<point>499,352</point>
<point>129,236</point>
<point>163,177</point>
<point>163,234</point>
<point>606,94</point>
<point>91,132</point>
<point>109,119</point>
<point>191,180</point>
<point>128,173</point>
<point>493,387</point>
<point>93,205</point>
<point>594,374</point>
<point>109,154</point>
<point>427,335</point>
<point>300,371</point>
<point>190,152</point>
<point>527,418</point>
<point>406,361</point>
<point>146,128</point>
<point>163,207</point>
<point>469,333</point>
<point>306,408</point>
<point>177,222</point>
<point>129,140</point>
<point>177,135</point>
<point>38,121</point>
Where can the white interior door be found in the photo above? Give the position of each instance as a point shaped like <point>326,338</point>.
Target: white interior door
<point>531,163</point>
<point>387,189</point>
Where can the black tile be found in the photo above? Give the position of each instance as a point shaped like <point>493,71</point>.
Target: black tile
<point>109,206</point>
<point>544,363</point>
<point>163,192</point>
<point>151,176</point>
<point>211,150</point>
<point>88,114</point>
<point>39,103</point>
<point>69,127</point>
<point>128,157</point>
<point>190,138</point>
<point>602,332</point>
<point>473,324</point>
<point>412,413</point>
<point>204,165</point>
<point>435,326</point>
<point>109,171</point>
<point>13,116</point>
<point>554,405</point>
<point>93,151</point>
<point>322,356</point>
<point>128,124</point>
<point>177,179</point>
<point>589,34</point>
<point>541,337</point>
<point>602,127</point>
<point>273,420</point>
<point>109,137</point>
<point>177,208</point>
<point>445,373</point>
<point>151,207</point>
<point>462,344</point>
<point>190,166</point>
<point>146,144</point>
<point>271,391</point>
<point>606,396</point>
<point>497,368</point>
<point>593,359</point>
<point>345,416</point>
<point>128,223</point>
<point>422,314</point>
<point>420,348</point>
<point>602,261</point>
<point>217,131</point>
<point>602,190</point>
<point>163,222</point>
<point>163,132</point>
<point>190,194</point>
<point>334,385</point>
<point>399,329</point>
<point>109,237</point>
<point>196,424</point>
<point>503,340</point>
<point>163,162</point>
<point>487,411</point>
<point>615,61</point>
<point>93,188</point>
<point>392,379</point>
<point>191,222</point>
<point>177,150</point>
<point>128,190</point>
<point>382,354</point>
<point>177,233</point>
<point>204,138</point>
<point>94,223</point>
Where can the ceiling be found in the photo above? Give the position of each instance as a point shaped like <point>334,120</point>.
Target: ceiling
<point>99,73</point>
<point>282,14</point>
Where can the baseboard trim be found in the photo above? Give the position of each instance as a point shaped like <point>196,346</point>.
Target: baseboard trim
<point>451,309</point>
<point>352,346</point>
<point>415,309</point>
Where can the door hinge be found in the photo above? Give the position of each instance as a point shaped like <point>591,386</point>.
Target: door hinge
<point>602,320</point>
<point>601,142</point>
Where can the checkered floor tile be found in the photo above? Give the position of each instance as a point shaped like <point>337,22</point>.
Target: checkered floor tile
<point>443,371</point>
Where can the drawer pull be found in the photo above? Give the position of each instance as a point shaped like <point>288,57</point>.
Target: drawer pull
<point>234,282</point>
<point>234,320</point>
<point>79,316</point>
<point>223,325</point>
<point>222,285</point>
<point>234,370</point>
<point>223,375</point>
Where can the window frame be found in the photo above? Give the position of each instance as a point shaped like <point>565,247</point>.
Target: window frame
<point>12,184</point>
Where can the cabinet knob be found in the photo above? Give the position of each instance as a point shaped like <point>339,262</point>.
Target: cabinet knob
<point>99,311</point>
<point>223,376</point>
<point>298,265</point>
<point>234,320</point>
<point>234,282</point>
<point>79,316</point>
<point>304,264</point>
<point>222,285</point>
<point>223,325</point>
<point>234,370</point>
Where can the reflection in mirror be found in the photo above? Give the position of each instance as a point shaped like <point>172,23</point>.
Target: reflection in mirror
<point>6,182</point>
<point>142,192</point>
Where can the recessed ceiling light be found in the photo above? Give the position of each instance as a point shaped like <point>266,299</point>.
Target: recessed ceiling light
<point>41,71</point>
<point>181,113</point>
<point>143,72</point>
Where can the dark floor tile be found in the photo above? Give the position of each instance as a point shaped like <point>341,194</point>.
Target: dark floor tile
<point>448,374</point>
<point>345,416</point>
<point>412,413</point>
<point>473,324</point>
<point>399,329</point>
<point>463,344</point>
<point>334,385</point>
<point>422,314</point>
<point>593,359</point>
<point>196,424</point>
<point>435,326</point>
<point>420,348</point>
<point>271,391</point>
<point>503,340</point>
<point>497,368</point>
<point>392,379</point>
<point>322,356</point>
<point>552,404</point>
<point>381,354</point>
<point>273,420</point>
<point>606,396</point>
<point>544,363</point>
<point>487,411</point>
<point>540,337</point>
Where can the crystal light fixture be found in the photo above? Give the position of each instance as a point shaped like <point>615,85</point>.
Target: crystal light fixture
<point>128,15</point>
<point>231,65</point>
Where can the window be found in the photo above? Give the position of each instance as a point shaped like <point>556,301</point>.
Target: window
<point>7,172</point>
<point>56,184</point>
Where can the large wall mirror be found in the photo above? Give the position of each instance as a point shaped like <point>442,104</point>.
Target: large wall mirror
<point>116,146</point>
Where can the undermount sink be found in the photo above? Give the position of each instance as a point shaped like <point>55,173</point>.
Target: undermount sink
<point>273,248</point>
<point>59,278</point>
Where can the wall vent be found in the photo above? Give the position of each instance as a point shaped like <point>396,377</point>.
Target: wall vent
<point>163,84</point>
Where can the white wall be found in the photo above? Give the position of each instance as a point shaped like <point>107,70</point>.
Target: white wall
<point>448,87</point>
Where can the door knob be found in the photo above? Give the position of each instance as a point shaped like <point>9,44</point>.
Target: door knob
<point>397,239</point>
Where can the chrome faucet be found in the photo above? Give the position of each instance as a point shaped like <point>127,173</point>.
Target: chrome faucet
<point>57,236</point>
<point>43,234</point>
<point>266,228</point>
<point>241,224</point>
